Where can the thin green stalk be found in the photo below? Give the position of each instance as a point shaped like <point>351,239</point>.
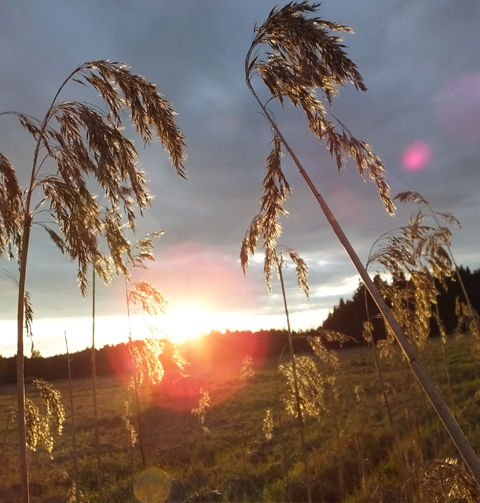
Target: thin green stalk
<point>139,417</point>
<point>282,443</point>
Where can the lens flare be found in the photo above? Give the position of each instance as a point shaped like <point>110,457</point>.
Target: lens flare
<point>347,204</point>
<point>152,486</point>
<point>457,108</point>
<point>417,155</point>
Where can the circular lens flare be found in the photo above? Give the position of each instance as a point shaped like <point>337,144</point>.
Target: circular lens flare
<point>417,156</point>
<point>152,486</point>
<point>457,108</point>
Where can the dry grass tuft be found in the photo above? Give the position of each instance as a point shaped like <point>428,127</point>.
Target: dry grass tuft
<point>446,482</point>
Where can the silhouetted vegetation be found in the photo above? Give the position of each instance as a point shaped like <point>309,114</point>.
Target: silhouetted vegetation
<point>205,350</point>
<point>348,316</point>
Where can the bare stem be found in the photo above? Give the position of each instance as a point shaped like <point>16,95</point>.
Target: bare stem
<point>94,389</point>
<point>74,438</point>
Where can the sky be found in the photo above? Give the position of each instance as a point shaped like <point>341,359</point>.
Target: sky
<point>421,115</point>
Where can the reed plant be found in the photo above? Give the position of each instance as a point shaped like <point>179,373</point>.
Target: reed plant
<point>152,302</point>
<point>298,60</point>
<point>449,218</point>
<point>82,142</point>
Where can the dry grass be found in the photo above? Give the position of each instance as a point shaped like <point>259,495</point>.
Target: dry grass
<point>205,464</point>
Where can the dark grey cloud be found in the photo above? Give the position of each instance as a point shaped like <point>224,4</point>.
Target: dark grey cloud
<point>409,54</point>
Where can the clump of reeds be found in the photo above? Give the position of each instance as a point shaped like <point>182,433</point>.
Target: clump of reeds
<point>85,144</point>
<point>445,481</point>
<point>43,425</point>
<point>204,403</point>
<point>297,57</point>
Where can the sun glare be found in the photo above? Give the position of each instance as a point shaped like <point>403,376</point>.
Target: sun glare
<point>187,321</point>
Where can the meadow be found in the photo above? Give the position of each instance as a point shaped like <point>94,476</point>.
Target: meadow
<point>227,452</point>
<point>365,432</point>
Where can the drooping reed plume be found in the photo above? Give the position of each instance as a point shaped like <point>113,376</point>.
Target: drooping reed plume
<point>300,61</point>
<point>468,318</point>
<point>83,142</point>
<point>42,425</point>
<point>415,257</point>
<point>152,302</point>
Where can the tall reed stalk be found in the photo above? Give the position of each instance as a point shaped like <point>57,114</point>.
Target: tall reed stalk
<point>84,144</point>
<point>301,59</point>
<point>74,435</point>
<point>152,302</point>
<point>297,394</point>
<point>94,395</point>
<point>135,381</point>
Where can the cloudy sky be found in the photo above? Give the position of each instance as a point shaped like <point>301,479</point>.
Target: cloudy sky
<point>421,115</point>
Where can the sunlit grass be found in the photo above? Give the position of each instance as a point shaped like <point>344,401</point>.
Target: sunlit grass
<point>207,463</point>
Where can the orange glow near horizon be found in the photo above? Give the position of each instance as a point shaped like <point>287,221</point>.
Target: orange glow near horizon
<point>187,321</point>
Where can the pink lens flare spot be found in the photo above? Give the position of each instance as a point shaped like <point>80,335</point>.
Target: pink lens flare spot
<point>417,155</point>
<point>457,108</point>
<point>347,204</point>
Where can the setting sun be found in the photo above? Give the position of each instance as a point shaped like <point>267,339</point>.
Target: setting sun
<point>187,321</point>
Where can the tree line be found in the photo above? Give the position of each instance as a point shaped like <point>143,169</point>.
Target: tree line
<point>205,350</point>
<point>349,316</point>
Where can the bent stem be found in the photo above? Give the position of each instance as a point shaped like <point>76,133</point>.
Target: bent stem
<point>87,145</point>
<point>454,430</point>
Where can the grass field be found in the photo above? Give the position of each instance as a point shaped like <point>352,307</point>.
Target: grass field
<point>354,453</point>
